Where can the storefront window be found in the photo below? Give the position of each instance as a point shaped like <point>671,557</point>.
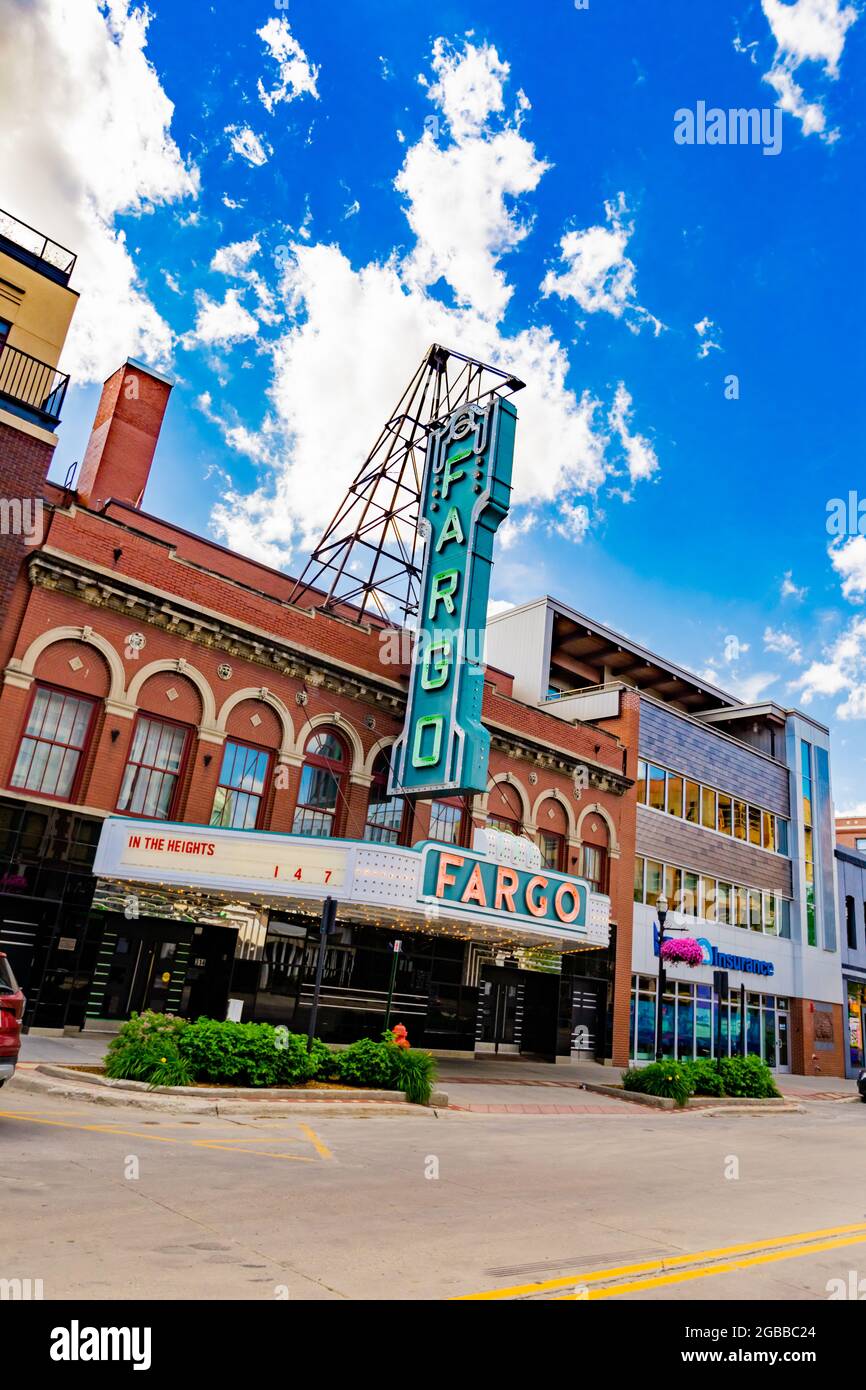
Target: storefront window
<point>321,786</point>
<point>241,789</point>
<point>150,779</point>
<point>52,742</point>
<point>694,1019</point>
<point>385,814</point>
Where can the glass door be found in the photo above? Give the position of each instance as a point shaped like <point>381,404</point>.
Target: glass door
<point>783,1050</point>
<point>498,1004</point>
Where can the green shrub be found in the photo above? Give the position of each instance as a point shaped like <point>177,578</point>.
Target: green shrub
<point>322,1061</point>
<point>244,1054</point>
<point>668,1079</point>
<point>368,1063</point>
<point>705,1076</point>
<point>147,1047</point>
<point>416,1073</point>
<point>747,1076</point>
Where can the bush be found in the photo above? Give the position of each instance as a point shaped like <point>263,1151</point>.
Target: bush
<point>147,1048</point>
<point>706,1078</point>
<point>416,1073</point>
<point>245,1054</point>
<point>747,1076</point>
<point>668,1079</point>
<point>368,1063</point>
<point>322,1061</point>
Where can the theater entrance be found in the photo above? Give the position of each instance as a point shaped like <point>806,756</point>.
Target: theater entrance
<point>517,1013</point>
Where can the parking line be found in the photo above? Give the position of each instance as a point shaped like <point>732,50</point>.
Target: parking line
<point>318,1144</point>
<point>666,1267</point>
<point>156,1138</point>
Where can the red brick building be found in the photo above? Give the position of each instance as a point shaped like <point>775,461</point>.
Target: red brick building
<point>151,672</point>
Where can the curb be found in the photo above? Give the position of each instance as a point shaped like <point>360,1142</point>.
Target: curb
<point>253,1104</point>
<point>630,1097</point>
<point>703,1105</point>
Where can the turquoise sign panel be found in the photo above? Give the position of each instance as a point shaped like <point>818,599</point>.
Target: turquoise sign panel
<point>444,748</point>
<point>480,886</point>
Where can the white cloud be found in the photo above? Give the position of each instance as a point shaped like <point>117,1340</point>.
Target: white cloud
<point>248,145</point>
<point>708,332</point>
<point>573,521</point>
<point>788,589</point>
<point>85,135</point>
<point>352,210</point>
<point>498,605</point>
<point>842,670</point>
<point>779,641</point>
<point>849,560</point>
<point>640,456</point>
<point>460,196</point>
<point>296,75</point>
<point>234,259</point>
<point>600,277</point>
<point>748,688</point>
<point>810,31</point>
<point>172,282</point>
<point>220,325</point>
<point>354,335</point>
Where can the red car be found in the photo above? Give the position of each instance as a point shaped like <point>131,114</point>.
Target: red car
<point>11,1013</point>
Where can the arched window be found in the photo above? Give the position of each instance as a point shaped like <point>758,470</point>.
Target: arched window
<point>324,772</point>
<point>385,814</point>
<point>505,809</point>
<point>447,820</point>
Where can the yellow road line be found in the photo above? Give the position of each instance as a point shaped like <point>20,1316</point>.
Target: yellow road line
<point>793,1253</point>
<point>668,1262</point>
<point>154,1138</point>
<point>318,1144</point>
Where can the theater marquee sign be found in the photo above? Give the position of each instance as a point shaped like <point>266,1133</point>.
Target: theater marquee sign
<point>494,888</point>
<point>444,748</point>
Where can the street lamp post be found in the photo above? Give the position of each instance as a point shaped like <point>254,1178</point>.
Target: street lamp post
<point>661,913</point>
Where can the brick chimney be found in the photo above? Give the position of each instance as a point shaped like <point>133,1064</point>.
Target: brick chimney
<point>123,439</point>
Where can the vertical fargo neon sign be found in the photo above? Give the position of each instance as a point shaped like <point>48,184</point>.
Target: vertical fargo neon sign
<point>444,748</point>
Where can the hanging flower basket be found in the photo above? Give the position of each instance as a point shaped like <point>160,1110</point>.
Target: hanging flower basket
<point>685,951</point>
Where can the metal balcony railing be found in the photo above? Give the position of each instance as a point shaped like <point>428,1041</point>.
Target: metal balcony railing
<point>40,247</point>
<point>24,380</point>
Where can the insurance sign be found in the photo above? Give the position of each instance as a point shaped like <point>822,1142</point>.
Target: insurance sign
<point>444,748</point>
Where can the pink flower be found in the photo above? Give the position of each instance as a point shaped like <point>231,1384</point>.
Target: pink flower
<point>685,951</point>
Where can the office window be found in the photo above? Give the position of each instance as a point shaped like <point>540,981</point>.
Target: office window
<point>641,782</point>
<point>755,910</point>
<point>754,826</point>
<point>321,790</point>
<point>723,903</point>
<point>150,778</point>
<point>708,899</point>
<point>693,802</point>
<point>674,887</point>
<point>770,913</point>
<point>741,816</point>
<point>385,814</point>
<point>241,788</point>
<point>708,808</point>
<point>653,881</point>
<point>690,894</point>
<point>656,788</point>
<point>52,742</point>
<point>781,836</point>
<point>725,822</point>
<point>675,795</point>
<point>851,923</point>
<point>741,908</point>
<point>639,866</point>
<point>768,837</point>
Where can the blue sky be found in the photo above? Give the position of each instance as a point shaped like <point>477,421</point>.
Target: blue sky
<point>266,206</point>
